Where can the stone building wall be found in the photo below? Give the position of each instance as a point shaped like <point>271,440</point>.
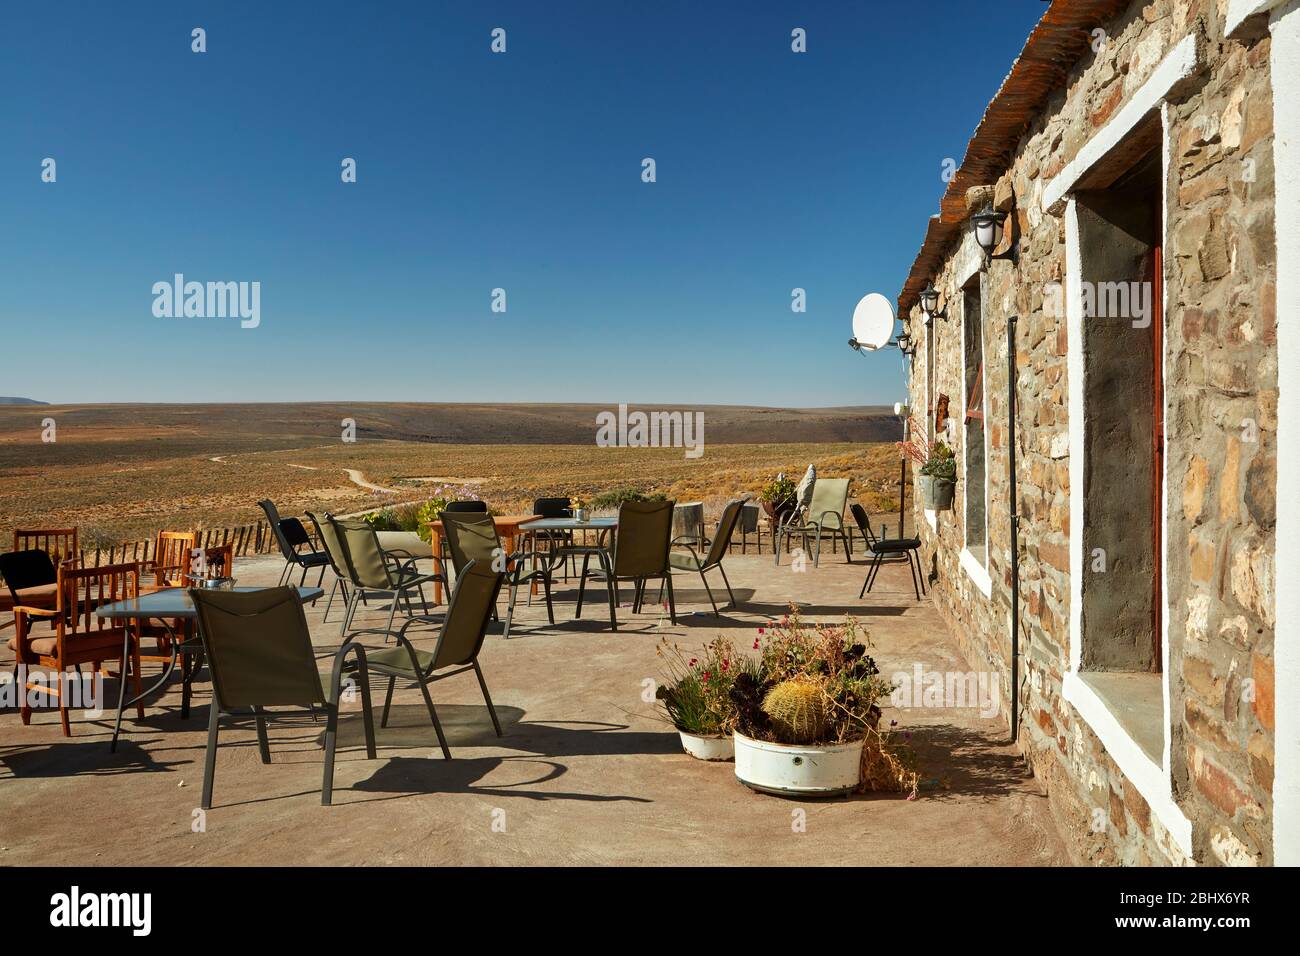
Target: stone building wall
<point>1220,411</point>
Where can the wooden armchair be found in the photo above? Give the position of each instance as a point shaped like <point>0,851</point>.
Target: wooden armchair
<point>79,637</point>
<point>171,559</point>
<point>60,544</point>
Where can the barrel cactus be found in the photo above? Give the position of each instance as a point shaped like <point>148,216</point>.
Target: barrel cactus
<point>797,710</point>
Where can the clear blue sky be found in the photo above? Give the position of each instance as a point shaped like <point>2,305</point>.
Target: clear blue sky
<point>475,171</point>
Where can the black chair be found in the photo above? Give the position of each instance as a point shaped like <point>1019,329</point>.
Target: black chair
<point>479,507</point>
<point>555,540</point>
<point>882,548</point>
<point>291,535</point>
<point>30,576</point>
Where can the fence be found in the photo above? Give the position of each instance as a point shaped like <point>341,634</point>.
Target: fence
<point>248,539</point>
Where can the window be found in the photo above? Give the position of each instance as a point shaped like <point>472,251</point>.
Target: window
<point>930,381</point>
<point>1119,231</point>
<point>974,453</point>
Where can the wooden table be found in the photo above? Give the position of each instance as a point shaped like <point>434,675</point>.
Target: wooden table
<point>507,530</point>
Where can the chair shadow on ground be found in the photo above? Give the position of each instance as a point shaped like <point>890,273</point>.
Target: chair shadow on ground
<point>693,610</point>
<point>85,757</point>
<point>540,745</point>
<point>469,725</point>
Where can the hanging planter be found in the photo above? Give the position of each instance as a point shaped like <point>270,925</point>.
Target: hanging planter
<point>937,493</point>
<point>938,469</point>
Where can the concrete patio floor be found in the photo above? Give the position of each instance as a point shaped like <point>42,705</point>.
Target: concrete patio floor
<point>586,772</point>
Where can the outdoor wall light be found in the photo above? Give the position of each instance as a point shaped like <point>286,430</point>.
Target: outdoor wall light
<point>905,344</point>
<point>988,233</point>
<point>929,299</point>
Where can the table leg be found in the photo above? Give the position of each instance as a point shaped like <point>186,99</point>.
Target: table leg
<point>123,703</point>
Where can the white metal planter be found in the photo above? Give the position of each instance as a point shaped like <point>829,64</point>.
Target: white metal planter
<point>937,493</point>
<point>707,748</point>
<point>798,769</point>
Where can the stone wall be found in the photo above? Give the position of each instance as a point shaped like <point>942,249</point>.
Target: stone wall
<point>1220,427</point>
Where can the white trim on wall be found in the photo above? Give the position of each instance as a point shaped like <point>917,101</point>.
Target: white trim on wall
<point>1285,66</point>
<point>967,556</point>
<point>977,572</point>
<point>1074,388</point>
<point>1181,62</point>
<point>1153,780</point>
<point>1239,11</point>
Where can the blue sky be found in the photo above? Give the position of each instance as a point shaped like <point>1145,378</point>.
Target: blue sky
<point>476,171</point>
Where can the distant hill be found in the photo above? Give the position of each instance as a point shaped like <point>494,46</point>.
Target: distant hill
<point>271,425</point>
<point>10,400</point>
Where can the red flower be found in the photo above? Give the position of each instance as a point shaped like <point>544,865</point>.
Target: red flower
<point>760,630</point>
<point>692,662</point>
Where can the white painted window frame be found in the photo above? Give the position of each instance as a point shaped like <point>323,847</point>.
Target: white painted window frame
<point>1284,66</point>
<point>931,374</point>
<point>1152,778</point>
<point>970,259</point>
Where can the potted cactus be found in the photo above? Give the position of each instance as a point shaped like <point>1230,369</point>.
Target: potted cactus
<point>696,697</point>
<point>806,708</point>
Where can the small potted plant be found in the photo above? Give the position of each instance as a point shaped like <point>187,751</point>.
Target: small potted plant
<point>807,714</point>
<point>578,508</point>
<point>697,697</point>
<point>778,497</point>
<point>938,469</point>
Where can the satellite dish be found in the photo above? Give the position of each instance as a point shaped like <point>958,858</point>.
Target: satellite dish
<point>873,321</point>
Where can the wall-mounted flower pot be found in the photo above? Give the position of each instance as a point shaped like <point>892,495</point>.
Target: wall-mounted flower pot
<point>937,493</point>
<point>707,748</point>
<point>799,770</point>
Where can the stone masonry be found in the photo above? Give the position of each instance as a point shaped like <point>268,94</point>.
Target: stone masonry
<point>1220,391</point>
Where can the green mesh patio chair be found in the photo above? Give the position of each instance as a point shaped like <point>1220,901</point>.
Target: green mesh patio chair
<point>640,554</point>
<point>824,513</point>
<point>373,572</point>
<point>460,639</point>
<point>329,540</point>
<point>260,655</point>
<point>690,560</point>
<point>473,537</point>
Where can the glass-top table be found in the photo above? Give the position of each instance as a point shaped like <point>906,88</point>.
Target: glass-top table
<point>569,524</point>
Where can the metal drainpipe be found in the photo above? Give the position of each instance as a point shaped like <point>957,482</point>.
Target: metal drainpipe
<point>1015,528</point>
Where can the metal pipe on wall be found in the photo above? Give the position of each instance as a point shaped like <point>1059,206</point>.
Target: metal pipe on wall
<point>1015,528</point>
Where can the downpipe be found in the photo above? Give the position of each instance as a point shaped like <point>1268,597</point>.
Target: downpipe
<point>1015,528</point>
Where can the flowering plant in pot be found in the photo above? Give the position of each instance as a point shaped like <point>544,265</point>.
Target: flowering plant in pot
<point>807,714</point>
<point>696,697</point>
<point>937,466</point>
<point>778,496</point>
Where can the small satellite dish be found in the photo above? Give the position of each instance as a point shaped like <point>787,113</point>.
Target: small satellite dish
<point>873,321</point>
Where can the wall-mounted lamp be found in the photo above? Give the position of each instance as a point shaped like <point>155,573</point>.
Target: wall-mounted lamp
<point>988,233</point>
<point>905,344</point>
<point>929,300</point>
